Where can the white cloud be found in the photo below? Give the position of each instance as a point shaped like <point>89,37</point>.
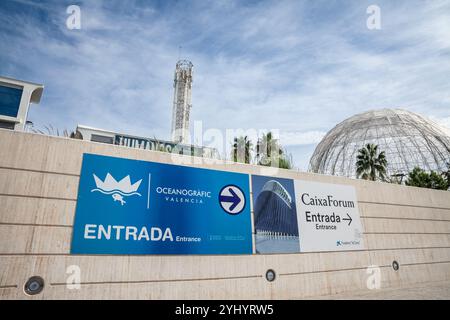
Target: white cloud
<point>301,138</point>
<point>300,67</point>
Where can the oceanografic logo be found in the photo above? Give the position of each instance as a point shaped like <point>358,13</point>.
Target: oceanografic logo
<point>116,189</point>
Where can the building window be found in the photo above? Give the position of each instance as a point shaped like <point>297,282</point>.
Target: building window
<point>102,139</point>
<point>9,101</point>
<point>6,125</point>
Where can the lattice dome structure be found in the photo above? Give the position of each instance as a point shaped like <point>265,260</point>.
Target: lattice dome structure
<point>408,140</point>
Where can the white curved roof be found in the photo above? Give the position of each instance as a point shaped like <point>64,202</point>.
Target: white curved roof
<point>279,190</point>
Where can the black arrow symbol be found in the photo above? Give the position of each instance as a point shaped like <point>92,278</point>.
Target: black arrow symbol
<point>349,219</point>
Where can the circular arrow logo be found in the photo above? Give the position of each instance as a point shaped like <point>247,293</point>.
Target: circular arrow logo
<point>232,199</point>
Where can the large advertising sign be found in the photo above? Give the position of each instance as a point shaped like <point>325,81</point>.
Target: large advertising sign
<point>328,217</point>
<point>302,216</point>
<point>137,207</point>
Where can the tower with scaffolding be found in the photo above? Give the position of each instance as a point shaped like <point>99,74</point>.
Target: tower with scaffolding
<point>182,102</point>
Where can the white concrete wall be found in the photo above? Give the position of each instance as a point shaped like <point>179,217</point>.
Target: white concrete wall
<point>38,189</point>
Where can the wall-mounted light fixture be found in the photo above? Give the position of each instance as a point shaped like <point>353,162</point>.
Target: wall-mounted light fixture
<point>34,286</point>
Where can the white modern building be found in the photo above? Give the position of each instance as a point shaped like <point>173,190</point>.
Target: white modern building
<point>15,99</point>
<point>131,141</point>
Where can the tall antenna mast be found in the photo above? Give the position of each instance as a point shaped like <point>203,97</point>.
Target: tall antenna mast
<point>182,102</point>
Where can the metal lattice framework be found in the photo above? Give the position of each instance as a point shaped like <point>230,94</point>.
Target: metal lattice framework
<point>182,101</point>
<point>407,139</point>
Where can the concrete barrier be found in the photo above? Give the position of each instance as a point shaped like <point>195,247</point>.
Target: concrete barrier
<point>38,190</point>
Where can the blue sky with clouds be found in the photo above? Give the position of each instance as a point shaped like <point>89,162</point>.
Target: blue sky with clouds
<point>297,66</point>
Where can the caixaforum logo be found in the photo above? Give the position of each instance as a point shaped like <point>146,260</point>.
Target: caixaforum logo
<point>117,189</point>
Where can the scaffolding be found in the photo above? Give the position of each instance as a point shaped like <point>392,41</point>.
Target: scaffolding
<point>408,140</point>
<point>182,101</point>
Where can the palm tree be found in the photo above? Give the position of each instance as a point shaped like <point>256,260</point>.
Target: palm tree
<point>446,174</point>
<point>423,179</point>
<point>285,161</point>
<point>370,163</point>
<point>242,147</point>
<point>267,150</point>
<point>51,131</point>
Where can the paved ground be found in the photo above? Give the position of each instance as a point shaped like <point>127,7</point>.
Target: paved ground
<point>426,291</point>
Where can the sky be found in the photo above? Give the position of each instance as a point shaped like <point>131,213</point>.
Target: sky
<point>299,67</point>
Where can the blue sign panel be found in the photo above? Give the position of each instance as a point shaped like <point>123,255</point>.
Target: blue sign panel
<point>137,207</point>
